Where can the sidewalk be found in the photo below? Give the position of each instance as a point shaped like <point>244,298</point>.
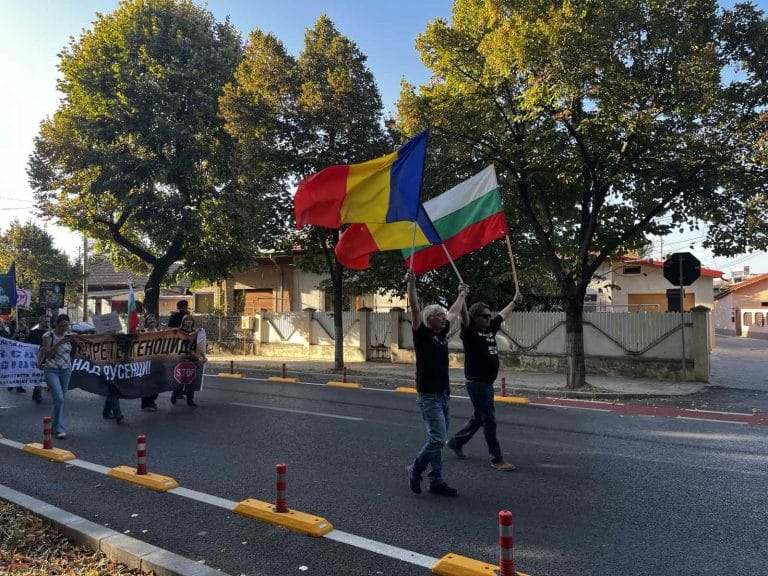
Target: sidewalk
<point>386,374</point>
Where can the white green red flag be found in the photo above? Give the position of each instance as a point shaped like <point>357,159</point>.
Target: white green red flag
<point>467,217</point>
<point>133,314</point>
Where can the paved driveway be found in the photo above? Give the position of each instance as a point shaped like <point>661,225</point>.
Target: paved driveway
<point>740,363</point>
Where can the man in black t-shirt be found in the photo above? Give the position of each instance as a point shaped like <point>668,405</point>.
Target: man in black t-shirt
<point>36,337</point>
<point>481,366</point>
<point>430,342</point>
<point>182,309</point>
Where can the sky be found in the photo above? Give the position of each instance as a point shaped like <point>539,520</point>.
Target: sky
<point>33,32</point>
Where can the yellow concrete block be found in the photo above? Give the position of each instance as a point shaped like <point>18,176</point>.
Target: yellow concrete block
<point>406,389</point>
<point>335,384</point>
<point>53,454</point>
<point>229,375</point>
<point>293,520</point>
<point>456,565</point>
<point>155,482</point>
<point>512,399</point>
<point>281,379</point>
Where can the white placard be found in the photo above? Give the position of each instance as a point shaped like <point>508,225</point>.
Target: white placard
<point>107,323</point>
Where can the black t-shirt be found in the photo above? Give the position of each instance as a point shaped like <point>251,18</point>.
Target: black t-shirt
<point>175,320</point>
<point>36,336</point>
<point>481,356</point>
<point>431,360</point>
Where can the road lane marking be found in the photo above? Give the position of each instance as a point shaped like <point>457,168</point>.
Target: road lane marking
<point>298,411</point>
<point>381,548</point>
<point>204,498</point>
<point>89,466</point>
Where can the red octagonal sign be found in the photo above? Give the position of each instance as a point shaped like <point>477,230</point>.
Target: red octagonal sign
<point>185,372</point>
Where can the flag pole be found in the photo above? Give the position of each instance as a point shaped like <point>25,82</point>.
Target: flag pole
<point>512,259</point>
<point>452,262</point>
<point>413,247</point>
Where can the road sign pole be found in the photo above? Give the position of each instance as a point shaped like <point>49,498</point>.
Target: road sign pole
<point>682,317</point>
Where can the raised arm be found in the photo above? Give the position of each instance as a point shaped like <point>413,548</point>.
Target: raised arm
<point>509,307</point>
<point>455,309</point>
<point>464,314</point>
<point>410,280</point>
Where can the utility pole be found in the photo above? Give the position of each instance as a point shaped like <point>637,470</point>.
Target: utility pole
<point>85,279</point>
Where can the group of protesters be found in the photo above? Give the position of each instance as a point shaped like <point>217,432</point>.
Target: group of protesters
<point>431,326</point>
<point>55,360</point>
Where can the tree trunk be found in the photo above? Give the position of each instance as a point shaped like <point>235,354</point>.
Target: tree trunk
<point>152,289</point>
<point>574,340</point>
<point>338,323</point>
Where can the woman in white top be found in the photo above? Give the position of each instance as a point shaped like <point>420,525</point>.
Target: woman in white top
<point>57,368</point>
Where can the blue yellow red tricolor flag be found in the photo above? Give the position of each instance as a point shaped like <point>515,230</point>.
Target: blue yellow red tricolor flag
<point>382,190</point>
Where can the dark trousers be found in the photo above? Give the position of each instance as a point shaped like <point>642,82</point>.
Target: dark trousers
<point>481,395</point>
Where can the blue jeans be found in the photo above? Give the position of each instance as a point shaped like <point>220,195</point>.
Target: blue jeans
<point>435,410</point>
<point>481,394</point>
<point>58,384</point>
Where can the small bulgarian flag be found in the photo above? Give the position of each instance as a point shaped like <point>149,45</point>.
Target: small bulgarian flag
<point>467,217</point>
<point>133,315</point>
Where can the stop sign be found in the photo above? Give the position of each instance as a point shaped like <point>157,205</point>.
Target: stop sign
<point>185,372</point>
<point>682,268</point>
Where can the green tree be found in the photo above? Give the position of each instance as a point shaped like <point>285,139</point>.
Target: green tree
<point>608,120</point>
<point>300,115</point>
<point>37,260</point>
<point>136,155</point>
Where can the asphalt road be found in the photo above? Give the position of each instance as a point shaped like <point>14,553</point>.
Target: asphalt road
<point>594,494</point>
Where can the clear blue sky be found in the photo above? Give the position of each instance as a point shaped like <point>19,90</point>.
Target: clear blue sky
<point>34,31</point>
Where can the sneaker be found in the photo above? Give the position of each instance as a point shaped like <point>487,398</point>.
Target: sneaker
<point>457,450</point>
<point>413,481</point>
<point>150,408</point>
<point>20,389</point>
<point>443,490</point>
<point>503,465</point>
<point>61,435</point>
<point>37,398</point>
<point>108,416</point>
<point>119,418</point>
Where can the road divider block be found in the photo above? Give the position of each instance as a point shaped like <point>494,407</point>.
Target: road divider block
<point>46,449</point>
<point>512,399</point>
<point>282,379</point>
<point>457,565</point>
<point>292,519</point>
<point>156,482</point>
<point>231,373</point>
<point>337,384</point>
<point>406,389</point>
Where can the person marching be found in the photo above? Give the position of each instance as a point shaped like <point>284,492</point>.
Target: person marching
<point>188,326</point>
<point>57,369</point>
<point>481,367</point>
<point>430,342</point>
<point>148,403</point>
<point>36,337</point>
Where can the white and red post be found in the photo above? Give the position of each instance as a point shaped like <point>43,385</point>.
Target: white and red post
<point>503,386</point>
<point>506,557</point>
<point>141,454</point>
<point>47,435</point>
<point>281,485</point>
<point>282,375</point>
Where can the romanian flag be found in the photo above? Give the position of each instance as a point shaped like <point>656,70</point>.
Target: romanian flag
<point>133,314</point>
<point>386,189</point>
<point>359,241</point>
<point>467,217</point>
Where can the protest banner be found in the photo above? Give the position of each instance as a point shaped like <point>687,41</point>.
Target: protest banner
<point>52,295</point>
<point>23,298</point>
<point>18,364</point>
<point>136,365</point>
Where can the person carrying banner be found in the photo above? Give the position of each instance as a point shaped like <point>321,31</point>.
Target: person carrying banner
<point>149,403</point>
<point>481,367</point>
<point>430,342</point>
<point>20,333</point>
<point>36,337</point>
<point>188,326</point>
<point>57,369</point>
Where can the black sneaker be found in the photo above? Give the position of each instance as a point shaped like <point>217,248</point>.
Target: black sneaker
<point>443,490</point>
<point>413,481</point>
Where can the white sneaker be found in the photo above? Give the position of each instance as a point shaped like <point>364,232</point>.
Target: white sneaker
<point>61,435</point>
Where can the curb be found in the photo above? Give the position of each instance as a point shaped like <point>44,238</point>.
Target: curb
<point>118,547</point>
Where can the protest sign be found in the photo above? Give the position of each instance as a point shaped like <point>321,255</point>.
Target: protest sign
<point>18,364</point>
<point>107,323</point>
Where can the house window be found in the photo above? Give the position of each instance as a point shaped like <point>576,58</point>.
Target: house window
<point>759,319</point>
<point>747,319</point>
<point>632,270</point>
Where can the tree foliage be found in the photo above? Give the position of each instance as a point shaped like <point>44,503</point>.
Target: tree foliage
<point>37,259</point>
<point>304,114</point>
<point>607,120</point>
<point>136,156</point>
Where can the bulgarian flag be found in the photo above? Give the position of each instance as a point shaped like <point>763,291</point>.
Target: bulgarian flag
<point>133,315</point>
<point>467,217</point>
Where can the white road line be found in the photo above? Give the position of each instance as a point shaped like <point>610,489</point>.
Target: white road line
<point>381,548</point>
<point>297,411</point>
<point>711,420</point>
<point>11,443</point>
<point>203,497</point>
<point>89,466</point>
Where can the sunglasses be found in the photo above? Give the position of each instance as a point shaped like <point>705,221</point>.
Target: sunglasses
<point>484,315</point>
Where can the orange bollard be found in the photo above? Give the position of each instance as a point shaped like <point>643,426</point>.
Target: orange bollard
<point>281,504</point>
